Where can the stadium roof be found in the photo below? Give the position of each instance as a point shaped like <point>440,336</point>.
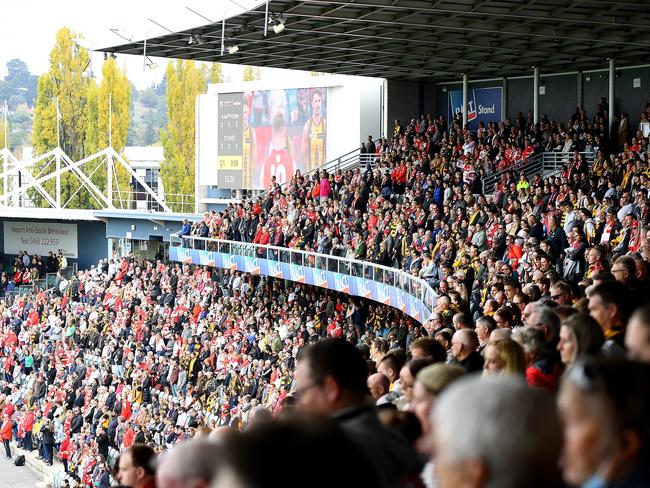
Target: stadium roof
<point>427,40</point>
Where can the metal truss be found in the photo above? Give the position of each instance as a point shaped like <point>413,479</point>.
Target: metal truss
<point>19,180</point>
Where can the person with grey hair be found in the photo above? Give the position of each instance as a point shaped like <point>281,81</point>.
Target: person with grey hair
<point>547,321</point>
<point>470,420</point>
<point>192,464</point>
<point>464,346</point>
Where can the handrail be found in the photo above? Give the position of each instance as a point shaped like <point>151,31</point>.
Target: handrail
<point>414,286</point>
<point>346,161</point>
<point>545,162</point>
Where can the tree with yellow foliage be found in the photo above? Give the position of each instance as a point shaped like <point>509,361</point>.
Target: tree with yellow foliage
<point>83,118</point>
<point>251,74</point>
<point>185,81</point>
<point>215,75</point>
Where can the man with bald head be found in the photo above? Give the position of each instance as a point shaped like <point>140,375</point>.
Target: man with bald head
<point>464,346</point>
<point>379,386</point>
<point>191,464</point>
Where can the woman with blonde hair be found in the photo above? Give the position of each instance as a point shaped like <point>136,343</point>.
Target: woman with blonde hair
<point>504,356</point>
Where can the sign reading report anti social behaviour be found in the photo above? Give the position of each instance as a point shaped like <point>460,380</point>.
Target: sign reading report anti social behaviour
<point>40,238</point>
<point>483,105</point>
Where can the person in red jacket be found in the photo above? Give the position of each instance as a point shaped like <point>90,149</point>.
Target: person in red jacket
<point>6,434</point>
<point>65,451</point>
<point>129,436</point>
<point>27,426</point>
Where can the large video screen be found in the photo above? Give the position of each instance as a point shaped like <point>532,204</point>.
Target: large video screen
<point>270,133</point>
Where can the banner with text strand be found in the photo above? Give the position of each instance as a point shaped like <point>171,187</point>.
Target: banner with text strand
<point>40,238</point>
<point>483,105</point>
<point>352,285</point>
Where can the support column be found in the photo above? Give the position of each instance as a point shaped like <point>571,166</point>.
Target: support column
<point>579,81</point>
<point>504,100</point>
<point>109,180</point>
<point>610,95</point>
<point>58,176</point>
<point>465,90</point>
<point>535,94</point>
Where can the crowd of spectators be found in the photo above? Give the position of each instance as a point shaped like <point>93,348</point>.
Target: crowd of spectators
<point>29,269</point>
<point>421,209</point>
<point>537,350</point>
<point>150,353</point>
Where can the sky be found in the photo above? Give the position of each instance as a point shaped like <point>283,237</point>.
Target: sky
<point>30,33</point>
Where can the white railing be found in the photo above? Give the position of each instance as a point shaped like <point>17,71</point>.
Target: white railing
<point>350,160</point>
<point>545,164</point>
<point>413,285</point>
<point>144,201</point>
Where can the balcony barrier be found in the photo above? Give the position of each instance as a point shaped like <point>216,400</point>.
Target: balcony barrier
<point>546,164</point>
<point>383,284</point>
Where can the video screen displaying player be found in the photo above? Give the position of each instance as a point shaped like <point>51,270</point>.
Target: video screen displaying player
<point>249,146</point>
<point>283,131</point>
<point>313,134</point>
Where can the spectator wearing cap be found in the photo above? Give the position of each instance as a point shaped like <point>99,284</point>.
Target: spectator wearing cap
<point>429,383</point>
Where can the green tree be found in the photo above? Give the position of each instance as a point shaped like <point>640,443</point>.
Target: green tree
<point>184,82</point>
<point>149,135</point>
<point>215,75</point>
<point>20,81</point>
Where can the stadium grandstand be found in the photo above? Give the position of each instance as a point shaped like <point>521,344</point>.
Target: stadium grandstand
<point>467,291</point>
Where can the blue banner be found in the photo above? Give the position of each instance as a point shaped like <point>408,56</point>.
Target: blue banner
<point>351,285</point>
<point>483,105</point>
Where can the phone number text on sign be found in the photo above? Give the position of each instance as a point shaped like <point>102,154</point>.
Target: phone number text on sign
<point>39,241</point>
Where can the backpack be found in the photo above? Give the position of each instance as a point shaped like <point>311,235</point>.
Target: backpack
<point>19,461</point>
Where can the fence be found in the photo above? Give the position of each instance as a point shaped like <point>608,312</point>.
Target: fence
<point>42,284</point>
<point>546,164</point>
<point>350,160</point>
<point>143,200</point>
<point>380,283</point>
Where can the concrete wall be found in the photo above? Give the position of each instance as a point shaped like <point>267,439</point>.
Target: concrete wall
<point>91,242</point>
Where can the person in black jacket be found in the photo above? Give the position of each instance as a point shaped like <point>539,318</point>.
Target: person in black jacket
<point>77,421</point>
<point>47,441</point>
<point>103,442</point>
